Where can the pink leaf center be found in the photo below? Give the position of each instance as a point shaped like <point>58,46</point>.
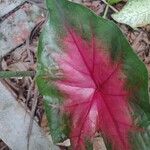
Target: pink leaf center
<point>96,99</point>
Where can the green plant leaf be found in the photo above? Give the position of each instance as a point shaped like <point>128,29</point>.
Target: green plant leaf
<point>113,1</point>
<point>63,16</point>
<point>136,13</point>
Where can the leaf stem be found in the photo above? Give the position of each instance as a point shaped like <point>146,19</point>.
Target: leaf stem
<point>105,12</point>
<point>114,9</point>
<point>10,74</point>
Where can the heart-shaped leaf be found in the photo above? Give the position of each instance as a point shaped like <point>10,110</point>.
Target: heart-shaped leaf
<point>136,13</point>
<point>90,78</point>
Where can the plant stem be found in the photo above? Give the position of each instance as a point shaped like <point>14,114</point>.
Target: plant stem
<point>10,74</point>
<point>114,9</point>
<point>105,12</point>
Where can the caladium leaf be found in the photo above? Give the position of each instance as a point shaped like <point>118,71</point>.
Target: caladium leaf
<point>136,13</point>
<point>89,75</point>
<point>93,99</point>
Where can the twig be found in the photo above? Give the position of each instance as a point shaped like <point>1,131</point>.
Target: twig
<point>105,13</point>
<point>28,96</point>
<point>113,8</point>
<point>12,86</point>
<point>10,74</point>
<point>37,28</point>
<point>29,92</point>
<point>32,117</point>
<point>31,58</point>
<point>29,40</point>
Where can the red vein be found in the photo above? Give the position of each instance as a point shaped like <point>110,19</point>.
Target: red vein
<point>76,69</point>
<point>93,47</point>
<point>114,121</point>
<point>75,86</point>
<point>110,75</point>
<point>83,122</point>
<point>74,105</point>
<point>74,40</point>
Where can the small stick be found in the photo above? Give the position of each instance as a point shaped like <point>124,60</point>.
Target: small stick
<point>114,9</point>
<point>34,105</point>
<point>105,13</point>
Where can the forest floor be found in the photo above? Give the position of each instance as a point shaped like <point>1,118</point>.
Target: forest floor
<point>19,40</point>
